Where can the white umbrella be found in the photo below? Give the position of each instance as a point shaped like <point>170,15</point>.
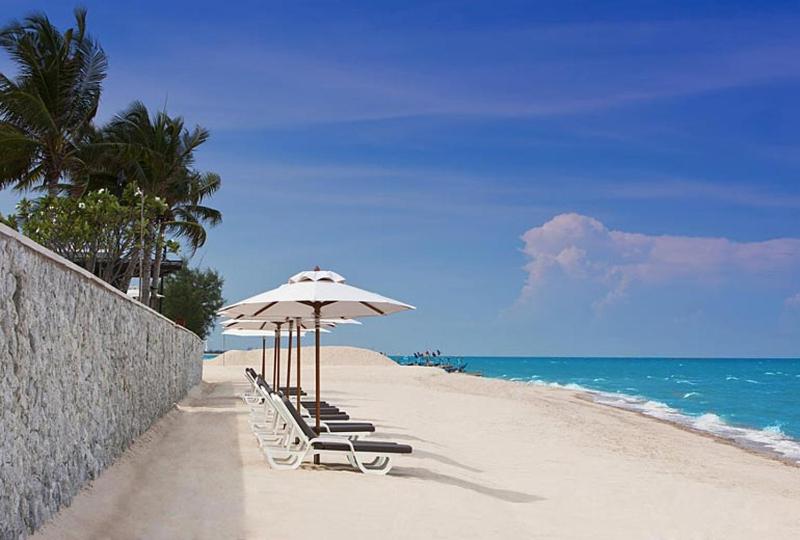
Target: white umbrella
<point>264,328</point>
<point>265,325</point>
<point>320,294</point>
<point>245,332</point>
<point>315,295</point>
<point>302,324</point>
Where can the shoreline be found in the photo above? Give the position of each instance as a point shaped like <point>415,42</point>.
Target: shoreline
<point>738,434</point>
<point>753,450</point>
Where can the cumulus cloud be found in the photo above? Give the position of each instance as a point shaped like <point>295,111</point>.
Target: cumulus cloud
<point>582,248</point>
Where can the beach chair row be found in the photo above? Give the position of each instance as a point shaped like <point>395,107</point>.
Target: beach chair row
<point>286,438</point>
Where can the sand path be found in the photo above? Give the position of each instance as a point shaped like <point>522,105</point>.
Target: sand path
<point>492,459</point>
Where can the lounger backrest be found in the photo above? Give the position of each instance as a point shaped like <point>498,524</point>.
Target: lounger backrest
<point>301,423</point>
<point>263,384</point>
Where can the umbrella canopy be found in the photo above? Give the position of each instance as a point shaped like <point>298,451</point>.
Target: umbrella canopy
<point>317,294</point>
<point>243,332</point>
<point>278,328</point>
<point>269,326</point>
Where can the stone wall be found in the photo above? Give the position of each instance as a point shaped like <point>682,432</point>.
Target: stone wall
<point>84,370</point>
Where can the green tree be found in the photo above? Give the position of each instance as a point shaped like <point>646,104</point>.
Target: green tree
<point>46,112</point>
<point>99,231</point>
<point>192,298</point>
<point>158,152</point>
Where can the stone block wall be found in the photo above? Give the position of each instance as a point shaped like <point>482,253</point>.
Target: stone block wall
<point>84,370</point>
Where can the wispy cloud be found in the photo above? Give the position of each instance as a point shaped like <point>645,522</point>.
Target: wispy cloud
<point>421,191</point>
<point>257,84</point>
<point>728,192</point>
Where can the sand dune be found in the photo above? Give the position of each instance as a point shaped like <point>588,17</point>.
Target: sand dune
<point>493,459</point>
<point>329,356</point>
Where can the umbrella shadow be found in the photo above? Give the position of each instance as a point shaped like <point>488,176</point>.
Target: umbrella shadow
<point>506,495</point>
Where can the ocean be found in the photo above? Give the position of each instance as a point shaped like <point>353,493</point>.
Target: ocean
<point>752,402</point>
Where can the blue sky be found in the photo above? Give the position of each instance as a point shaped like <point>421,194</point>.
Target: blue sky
<point>539,179</point>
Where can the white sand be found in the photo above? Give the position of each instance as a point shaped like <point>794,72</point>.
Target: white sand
<point>492,459</point>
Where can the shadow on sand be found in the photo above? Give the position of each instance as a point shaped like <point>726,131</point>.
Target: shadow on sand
<point>507,495</point>
<point>181,478</point>
<point>445,460</point>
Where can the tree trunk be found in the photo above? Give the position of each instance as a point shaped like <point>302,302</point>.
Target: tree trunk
<point>145,273</point>
<point>131,265</point>
<point>157,264</point>
<point>51,182</point>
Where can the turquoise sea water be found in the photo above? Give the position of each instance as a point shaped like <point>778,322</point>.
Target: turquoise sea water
<point>209,356</point>
<point>753,402</point>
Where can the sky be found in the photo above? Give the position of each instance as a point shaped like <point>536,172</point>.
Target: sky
<point>568,178</point>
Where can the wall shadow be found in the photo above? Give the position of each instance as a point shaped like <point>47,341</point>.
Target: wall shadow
<point>183,478</point>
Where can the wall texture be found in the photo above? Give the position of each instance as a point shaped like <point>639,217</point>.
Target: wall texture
<point>84,370</point>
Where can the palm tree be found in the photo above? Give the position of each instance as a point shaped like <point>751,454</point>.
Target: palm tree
<point>185,214</point>
<point>159,152</point>
<point>47,110</point>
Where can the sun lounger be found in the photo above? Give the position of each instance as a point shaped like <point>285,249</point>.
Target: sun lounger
<point>254,400</point>
<point>328,413</point>
<point>301,442</point>
<point>350,429</point>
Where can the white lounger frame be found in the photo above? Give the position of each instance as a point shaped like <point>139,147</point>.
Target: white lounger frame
<point>295,446</point>
<point>266,421</point>
<point>284,443</point>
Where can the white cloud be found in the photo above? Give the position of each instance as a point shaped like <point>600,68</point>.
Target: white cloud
<point>582,248</point>
<point>793,301</point>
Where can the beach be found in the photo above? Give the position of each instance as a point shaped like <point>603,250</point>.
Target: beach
<point>491,458</point>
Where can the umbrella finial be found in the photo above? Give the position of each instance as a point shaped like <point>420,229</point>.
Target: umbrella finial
<point>317,268</point>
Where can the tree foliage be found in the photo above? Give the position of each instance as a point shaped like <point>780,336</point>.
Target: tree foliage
<point>192,298</point>
<point>48,141</point>
<point>99,231</point>
<point>46,111</point>
<point>157,152</point>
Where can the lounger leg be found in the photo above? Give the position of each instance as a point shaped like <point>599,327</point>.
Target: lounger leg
<point>291,461</point>
<point>380,465</point>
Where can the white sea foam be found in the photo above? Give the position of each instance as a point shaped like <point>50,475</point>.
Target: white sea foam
<point>687,395</point>
<point>770,439</point>
<point>684,381</point>
<point>751,381</point>
<point>708,422</point>
<point>731,378</point>
<point>568,386</point>
<point>774,429</point>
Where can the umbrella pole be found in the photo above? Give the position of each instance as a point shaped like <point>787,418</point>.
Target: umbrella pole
<point>298,366</point>
<point>278,360</point>
<point>289,359</point>
<point>275,361</point>
<point>263,355</point>
<point>316,382</point>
